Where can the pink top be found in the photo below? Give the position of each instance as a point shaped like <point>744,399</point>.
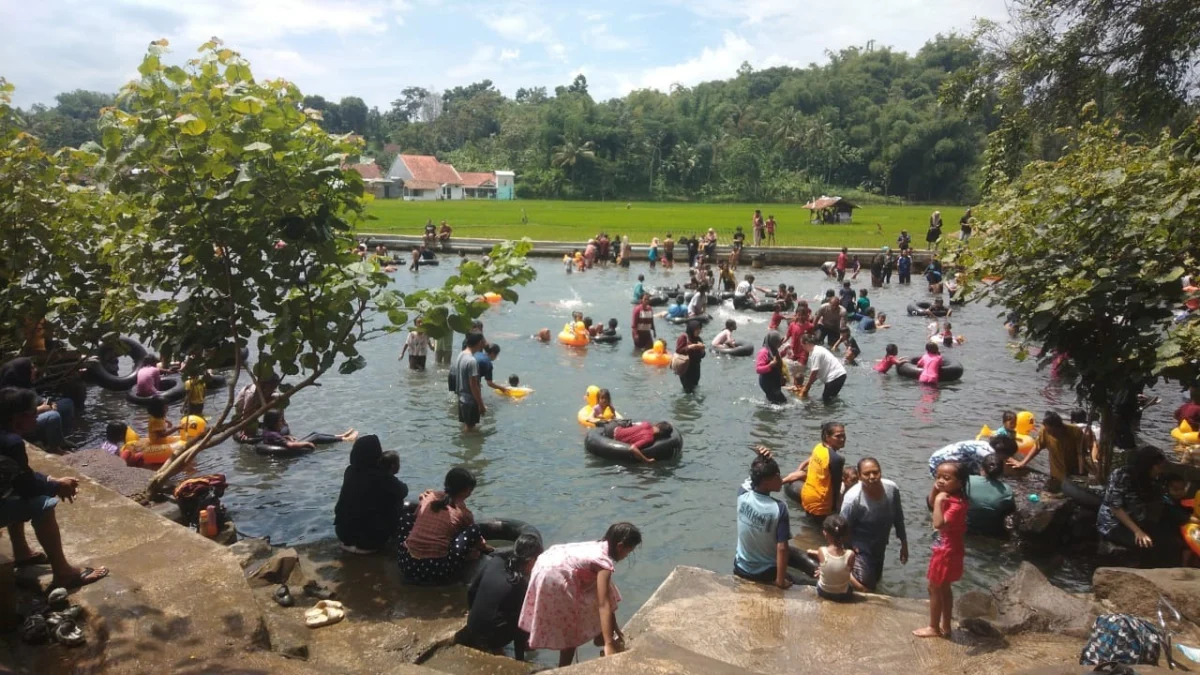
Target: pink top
<point>954,525</point>
<point>885,364</point>
<point>148,378</point>
<point>762,365</point>
<point>561,608</point>
<point>930,365</point>
<point>776,319</point>
<point>433,530</point>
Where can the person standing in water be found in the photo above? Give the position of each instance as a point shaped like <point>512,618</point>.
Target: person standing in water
<point>769,367</point>
<point>470,399</point>
<point>873,508</point>
<point>691,345</point>
<point>643,324</point>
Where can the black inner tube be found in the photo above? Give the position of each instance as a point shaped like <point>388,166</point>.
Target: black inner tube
<point>170,389</point>
<point>600,444</point>
<point>950,370</point>
<point>280,450</point>
<point>743,349</point>
<point>607,339</point>
<point>792,491</point>
<point>103,369</point>
<point>505,529</point>
<point>682,320</point>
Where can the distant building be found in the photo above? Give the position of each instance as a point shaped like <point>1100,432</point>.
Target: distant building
<point>373,179</point>
<point>423,177</point>
<point>831,210</point>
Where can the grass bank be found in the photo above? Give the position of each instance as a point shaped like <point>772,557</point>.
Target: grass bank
<point>576,221</point>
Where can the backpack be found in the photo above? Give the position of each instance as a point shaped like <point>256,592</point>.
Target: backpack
<point>1122,638</point>
<point>679,364</point>
<point>196,494</point>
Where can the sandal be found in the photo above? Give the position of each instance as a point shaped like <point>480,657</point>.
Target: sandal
<point>87,575</point>
<point>39,558</point>
<point>283,596</point>
<point>68,634</point>
<point>34,631</point>
<point>314,590</point>
<point>325,613</point>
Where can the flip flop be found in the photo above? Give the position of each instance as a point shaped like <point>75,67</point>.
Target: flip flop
<point>87,575</point>
<point>39,558</point>
<point>68,634</point>
<point>324,613</point>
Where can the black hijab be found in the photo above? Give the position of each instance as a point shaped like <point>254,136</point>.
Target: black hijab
<point>17,373</point>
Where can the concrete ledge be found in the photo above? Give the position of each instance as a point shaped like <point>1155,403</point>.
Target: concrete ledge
<point>774,255</point>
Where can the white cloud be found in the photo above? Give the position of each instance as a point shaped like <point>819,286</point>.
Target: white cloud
<point>482,61</point>
<point>509,54</point>
<point>557,51</point>
<point>712,63</point>
<point>520,27</point>
<point>598,37</point>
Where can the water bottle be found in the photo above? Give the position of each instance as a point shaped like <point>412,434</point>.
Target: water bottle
<point>211,519</point>
<point>202,525</point>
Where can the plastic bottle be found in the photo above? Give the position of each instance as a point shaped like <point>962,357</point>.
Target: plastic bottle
<point>211,512</point>
<point>202,525</point>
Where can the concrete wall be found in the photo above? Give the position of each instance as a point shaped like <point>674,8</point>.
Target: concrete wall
<point>504,187</point>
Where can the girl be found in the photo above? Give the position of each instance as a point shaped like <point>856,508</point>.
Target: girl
<point>568,262</point>
<point>776,317</point>
<point>769,367</point>
<point>948,338</point>
<point>930,364</point>
<point>835,581</point>
<point>946,561</point>
<point>158,428</point>
<point>725,337</point>
<point>691,345</point>
<point>495,597</point>
<point>770,224</point>
<point>114,437</point>
<point>603,410</point>
<point>571,597</point>
<point>441,535</point>
<point>890,359</point>
<point>852,350</point>
<point>274,435</point>
<point>653,253</point>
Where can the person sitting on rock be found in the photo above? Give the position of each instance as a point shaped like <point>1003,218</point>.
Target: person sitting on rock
<point>369,506</point>
<point>495,598</point>
<point>31,497</point>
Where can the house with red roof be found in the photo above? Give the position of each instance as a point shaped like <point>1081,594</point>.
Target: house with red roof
<point>423,177</point>
<point>373,179</point>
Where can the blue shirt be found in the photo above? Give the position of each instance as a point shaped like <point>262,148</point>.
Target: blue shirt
<point>485,366</point>
<point>676,311</point>
<point>638,291</point>
<point>904,263</point>
<point>762,523</point>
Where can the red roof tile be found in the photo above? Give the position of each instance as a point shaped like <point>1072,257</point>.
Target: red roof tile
<point>422,185</point>
<point>367,171</point>
<point>475,179</point>
<point>428,168</point>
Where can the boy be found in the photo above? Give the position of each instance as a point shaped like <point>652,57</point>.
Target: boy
<point>904,267</point>
<point>763,528</point>
<point>668,252</point>
<point>417,346</point>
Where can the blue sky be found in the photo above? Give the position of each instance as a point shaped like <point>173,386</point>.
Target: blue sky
<point>375,48</point>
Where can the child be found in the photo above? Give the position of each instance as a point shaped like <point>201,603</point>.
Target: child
<point>904,267</point>
<point>612,328</point>
<point>603,411</point>
<point>514,381</point>
<point>592,330</point>
<point>273,434</point>
<point>196,387</point>
<point>852,350</point>
<point>835,580</point>
<point>857,267</point>
<point>149,376</point>
<point>948,338</point>
<point>770,224</point>
<point>1008,424</point>
<point>849,478</point>
<point>890,359</point>
<point>568,262</point>
<point>677,310</point>
<point>390,461</point>
<point>946,561</point>
<point>881,321</point>
<point>763,527</point>
<point>776,317</point>
<point>158,428</point>
<point>930,364</point>
<point>864,303</point>
<point>114,437</point>
<point>725,337</point>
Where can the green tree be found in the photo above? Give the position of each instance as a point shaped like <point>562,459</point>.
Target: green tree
<point>1091,248</point>
<point>571,154</point>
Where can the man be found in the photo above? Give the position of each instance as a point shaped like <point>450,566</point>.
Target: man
<point>638,289</point>
<point>843,260</point>
<point>763,527</point>
<point>830,317</point>
<point>643,324</point>
<point>743,295</point>
<point>822,473</point>
<point>486,357</point>
<point>417,345</point>
<point>31,496</point>
<point>252,397</point>
<point>693,249</point>
<point>470,398</point>
<point>640,436</point>
<point>444,233</point>
<point>823,364</point>
<point>972,453</point>
<point>1066,445</point>
<point>668,252</point>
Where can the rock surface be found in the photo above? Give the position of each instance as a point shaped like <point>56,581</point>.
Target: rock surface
<point>1026,602</point>
<point>761,629</point>
<point>1137,591</point>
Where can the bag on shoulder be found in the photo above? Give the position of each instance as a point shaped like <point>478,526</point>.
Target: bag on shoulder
<point>679,363</point>
<point>1122,638</point>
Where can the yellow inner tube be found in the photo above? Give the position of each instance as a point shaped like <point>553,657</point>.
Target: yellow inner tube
<point>585,413</point>
<point>1184,434</point>
<point>1191,535</point>
<point>1025,443</point>
<point>515,392</point>
<point>493,298</point>
<point>154,455</point>
<point>576,336</point>
<point>657,355</point>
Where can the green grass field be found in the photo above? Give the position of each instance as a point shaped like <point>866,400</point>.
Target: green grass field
<point>577,221</point>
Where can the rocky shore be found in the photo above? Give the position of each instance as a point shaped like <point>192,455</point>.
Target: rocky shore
<point>178,602</point>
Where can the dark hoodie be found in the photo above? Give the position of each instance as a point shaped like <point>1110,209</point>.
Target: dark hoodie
<point>368,509</point>
<point>17,373</point>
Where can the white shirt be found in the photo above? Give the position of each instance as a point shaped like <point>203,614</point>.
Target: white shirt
<point>417,343</point>
<point>698,304</point>
<point>825,364</point>
<point>722,337</point>
<point>743,289</point>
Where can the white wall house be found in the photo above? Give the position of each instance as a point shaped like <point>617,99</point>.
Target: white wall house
<point>424,178</point>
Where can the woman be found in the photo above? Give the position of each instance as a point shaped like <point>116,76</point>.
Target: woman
<point>935,230</point>
<point>691,345</point>
<point>55,419</point>
<point>626,251</point>
<point>652,254</point>
<point>872,507</point>
<point>443,535</point>
<point>822,473</point>
<point>770,368</point>
<point>572,598</point>
<point>495,598</point>
<point>989,499</point>
<point>369,506</point>
<point>1131,513</point>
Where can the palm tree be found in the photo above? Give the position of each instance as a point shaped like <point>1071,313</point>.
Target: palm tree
<point>571,153</point>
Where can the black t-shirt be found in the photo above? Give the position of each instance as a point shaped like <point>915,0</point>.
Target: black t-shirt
<point>26,482</point>
<point>495,602</point>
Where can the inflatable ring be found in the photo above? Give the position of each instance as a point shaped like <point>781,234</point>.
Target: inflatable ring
<point>215,381</point>
<point>1191,536</point>
<point>157,455</point>
<point>172,393</point>
<point>799,559</point>
<point>280,450</point>
<point>653,358</point>
<point>949,372</point>
<point>792,491</point>
<point>764,306</point>
<point>109,379</point>
<point>585,414</point>
<point>744,349</point>
<point>514,392</point>
<point>727,295</point>
<point>505,529</point>
<point>603,339</point>
<point>573,339</point>
<point>1184,434</point>
<point>683,320</point>
<point>492,298</point>
<point>920,308</point>
<point>600,445</point>
<point>427,262</point>
<point>229,361</point>
<point>1025,442</point>
<point>711,299</point>
<point>1081,495</point>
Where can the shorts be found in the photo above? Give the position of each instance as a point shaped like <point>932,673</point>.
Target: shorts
<point>468,413</point>
<point>766,577</point>
<point>194,408</point>
<point>416,362</point>
<point>847,596</point>
<point>15,510</point>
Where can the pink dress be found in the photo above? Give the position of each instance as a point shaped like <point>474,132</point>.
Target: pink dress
<point>946,559</point>
<point>885,364</point>
<point>931,367</point>
<point>560,610</point>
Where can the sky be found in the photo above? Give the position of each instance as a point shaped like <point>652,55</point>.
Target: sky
<point>375,48</point>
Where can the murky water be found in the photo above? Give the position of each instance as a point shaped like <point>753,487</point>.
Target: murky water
<point>530,460</point>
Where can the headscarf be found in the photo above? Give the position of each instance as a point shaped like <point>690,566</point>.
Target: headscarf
<point>17,373</point>
<point>366,452</point>
<point>772,341</point>
<point>693,327</point>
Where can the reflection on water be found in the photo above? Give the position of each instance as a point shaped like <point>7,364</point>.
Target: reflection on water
<point>529,453</point>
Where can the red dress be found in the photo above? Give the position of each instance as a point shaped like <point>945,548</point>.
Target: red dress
<point>946,562</point>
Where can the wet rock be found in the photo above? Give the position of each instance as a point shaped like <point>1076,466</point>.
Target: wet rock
<point>1044,525</point>
<point>168,510</point>
<point>252,550</point>
<point>281,568</point>
<point>1136,591</point>
<point>286,631</point>
<point>1026,602</point>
